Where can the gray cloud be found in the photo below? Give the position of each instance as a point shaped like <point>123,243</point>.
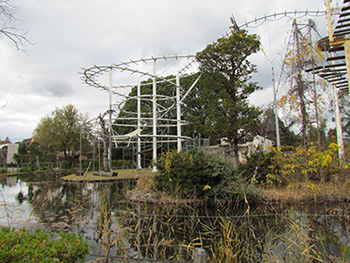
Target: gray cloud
<point>48,87</point>
<point>69,35</point>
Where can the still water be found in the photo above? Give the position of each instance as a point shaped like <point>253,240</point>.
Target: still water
<point>121,229</point>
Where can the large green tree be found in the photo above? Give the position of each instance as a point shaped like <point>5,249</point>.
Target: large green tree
<point>227,70</point>
<point>60,132</point>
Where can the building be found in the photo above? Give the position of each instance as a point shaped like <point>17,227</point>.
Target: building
<point>7,153</point>
<point>244,150</point>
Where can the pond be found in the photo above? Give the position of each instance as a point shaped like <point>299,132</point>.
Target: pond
<point>124,230</point>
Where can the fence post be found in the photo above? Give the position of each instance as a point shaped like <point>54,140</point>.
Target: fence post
<point>200,255</point>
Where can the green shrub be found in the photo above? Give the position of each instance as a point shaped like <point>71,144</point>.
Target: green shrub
<point>257,166</point>
<point>125,164</point>
<point>48,158</point>
<point>24,246</point>
<point>65,165</point>
<point>85,163</point>
<point>237,187</point>
<point>189,174</point>
<point>25,169</point>
<point>47,165</point>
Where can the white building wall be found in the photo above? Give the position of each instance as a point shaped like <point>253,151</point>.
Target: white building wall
<point>12,149</point>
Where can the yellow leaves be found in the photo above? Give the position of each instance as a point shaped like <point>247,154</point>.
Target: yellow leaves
<point>333,147</point>
<point>307,161</point>
<point>311,186</point>
<point>314,188</point>
<point>206,187</point>
<point>326,160</point>
<point>167,164</point>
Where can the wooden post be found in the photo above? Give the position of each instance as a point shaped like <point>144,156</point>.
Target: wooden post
<point>200,255</point>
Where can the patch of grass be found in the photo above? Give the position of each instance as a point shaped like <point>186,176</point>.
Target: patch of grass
<point>296,192</point>
<point>123,174</point>
<point>145,182</point>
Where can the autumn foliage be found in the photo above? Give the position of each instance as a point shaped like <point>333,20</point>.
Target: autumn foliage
<point>300,163</point>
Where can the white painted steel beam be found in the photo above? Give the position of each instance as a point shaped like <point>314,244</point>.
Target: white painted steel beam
<point>178,114</point>
<point>154,115</point>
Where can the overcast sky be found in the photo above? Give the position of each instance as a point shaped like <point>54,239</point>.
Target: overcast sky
<point>69,35</point>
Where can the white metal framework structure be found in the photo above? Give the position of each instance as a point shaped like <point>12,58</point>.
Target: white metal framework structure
<point>145,123</point>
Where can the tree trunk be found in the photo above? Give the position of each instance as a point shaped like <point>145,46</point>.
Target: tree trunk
<point>234,147</point>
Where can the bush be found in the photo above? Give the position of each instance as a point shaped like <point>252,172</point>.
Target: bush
<point>306,163</point>
<point>25,169</point>
<point>125,164</point>
<point>65,165</point>
<point>47,165</point>
<point>257,166</point>
<point>189,174</point>
<point>239,188</point>
<point>23,246</point>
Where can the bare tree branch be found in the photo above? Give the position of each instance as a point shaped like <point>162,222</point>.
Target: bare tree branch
<point>7,101</point>
<point>7,27</point>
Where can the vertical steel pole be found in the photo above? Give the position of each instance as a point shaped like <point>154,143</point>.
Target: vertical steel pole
<point>110,121</point>
<point>329,20</point>
<point>278,140</point>
<point>341,150</point>
<point>80,145</point>
<point>178,114</point>
<point>347,57</point>
<point>139,125</point>
<point>315,91</point>
<point>154,103</point>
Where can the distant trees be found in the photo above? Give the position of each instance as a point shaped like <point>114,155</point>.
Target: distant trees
<point>61,131</point>
<point>268,129</point>
<point>227,71</point>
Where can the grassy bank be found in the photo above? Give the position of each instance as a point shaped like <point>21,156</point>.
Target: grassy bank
<point>123,174</point>
<point>309,191</point>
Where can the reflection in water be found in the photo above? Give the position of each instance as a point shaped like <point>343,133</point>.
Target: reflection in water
<point>115,227</point>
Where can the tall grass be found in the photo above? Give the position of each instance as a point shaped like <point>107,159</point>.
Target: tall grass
<point>172,230</point>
